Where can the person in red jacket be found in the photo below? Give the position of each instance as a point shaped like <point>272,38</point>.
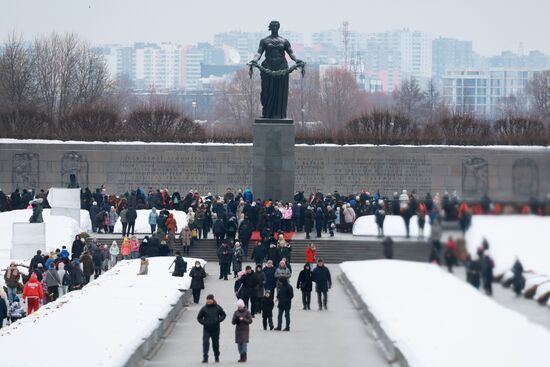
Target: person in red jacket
<point>33,291</point>
<point>311,254</point>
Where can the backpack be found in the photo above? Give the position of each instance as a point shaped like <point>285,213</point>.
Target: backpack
<point>66,281</point>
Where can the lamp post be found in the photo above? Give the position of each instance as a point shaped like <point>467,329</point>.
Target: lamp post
<point>194,104</point>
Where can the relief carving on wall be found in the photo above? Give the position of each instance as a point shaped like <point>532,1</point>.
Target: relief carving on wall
<point>475,177</point>
<point>74,170</point>
<point>525,178</point>
<point>25,170</point>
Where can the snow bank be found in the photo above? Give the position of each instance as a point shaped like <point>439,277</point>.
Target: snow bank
<point>436,319</point>
<point>393,226</point>
<point>111,315</point>
<point>524,236</point>
<point>142,221</point>
<point>59,230</point>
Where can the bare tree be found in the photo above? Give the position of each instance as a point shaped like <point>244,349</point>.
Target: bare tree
<point>539,91</point>
<point>304,94</point>
<point>409,98</point>
<point>238,100</point>
<point>68,75</point>
<point>340,96</point>
<point>16,73</point>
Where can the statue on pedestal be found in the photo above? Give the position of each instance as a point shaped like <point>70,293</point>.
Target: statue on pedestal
<point>36,211</point>
<point>275,72</point>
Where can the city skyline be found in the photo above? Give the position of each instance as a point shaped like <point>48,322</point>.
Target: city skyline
<point>138,21</point>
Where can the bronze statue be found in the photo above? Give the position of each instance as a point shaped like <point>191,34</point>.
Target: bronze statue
<point>274,72</point>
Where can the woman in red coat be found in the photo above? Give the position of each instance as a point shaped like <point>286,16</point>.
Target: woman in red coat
<point>311,254</point>
<point>33,291</point>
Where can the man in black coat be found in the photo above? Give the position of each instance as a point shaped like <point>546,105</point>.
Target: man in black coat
<point>285,295</point>
<point>131,217</point>
<point>37,259</point>
<point>245,232</point>
<point>305,284</point>
<point>210,317</point>
<point>224,258</point>
<point>250,284</point>
<point>323,282</point>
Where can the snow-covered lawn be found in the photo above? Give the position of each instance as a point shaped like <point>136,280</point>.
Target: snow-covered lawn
<point>142,221</point>
<point>524,236</point>
<point>436,319</point>
<point>393,226</point>
<point>103,324</point>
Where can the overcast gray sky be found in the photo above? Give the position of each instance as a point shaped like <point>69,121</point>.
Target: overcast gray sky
<point>493,25</point>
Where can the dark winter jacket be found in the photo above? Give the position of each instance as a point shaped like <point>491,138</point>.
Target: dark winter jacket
<point>219,228</point>
<point>267,306</point>
<point>98,258</point>
<point>285,295</point>
<point>87,264</point>
<point>242,327</point>
<point>261,283</point>
<point>224,254</point>
<point>305,280</point>
<point>321,277</point>
<point>250,283</point>
<point>131,216</point>
<point>210,316</point>
<point>78,248</point>
<point>270,281</point>
<point>387,245</point>
<point>180,267</point>
<point>197,277</point>
<point>308,221</point>
<point>258,254</point>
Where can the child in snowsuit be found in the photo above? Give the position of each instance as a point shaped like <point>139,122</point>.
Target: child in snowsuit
<point>267,310</point>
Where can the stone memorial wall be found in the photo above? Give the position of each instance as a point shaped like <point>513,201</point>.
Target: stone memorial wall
<point>505,173</point>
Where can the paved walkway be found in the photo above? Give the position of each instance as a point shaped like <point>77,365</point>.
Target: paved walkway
<point>336,337</point>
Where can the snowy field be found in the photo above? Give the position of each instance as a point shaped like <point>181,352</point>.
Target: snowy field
<point>142,221</point>
<point>524,236</point>
<point>111,316</point>
<point>436,319</point>
<point>393,226</point>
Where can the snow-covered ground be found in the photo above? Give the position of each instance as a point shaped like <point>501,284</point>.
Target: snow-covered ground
<point>142,221</point>
<point>393,226</point>
<point>59,230</point>
<point>103,324</point>
<point>436,319</point>
<point>510,236</point>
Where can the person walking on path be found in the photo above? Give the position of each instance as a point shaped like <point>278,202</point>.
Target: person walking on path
<point>284,296</point>
<point>114,251</point>
<point>242,320</point>
<point>197,275</point>
<point>52,282</point>
<point>323,282</point>
<point>224,257</point>
<point>153,216</point>
<point>11,277</point>
<point>33,292</point>
<point>210,317</point>
<point>305,284</point>
<point>270,280</point>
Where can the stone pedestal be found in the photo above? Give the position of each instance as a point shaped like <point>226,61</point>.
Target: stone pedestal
<point>273,159</point>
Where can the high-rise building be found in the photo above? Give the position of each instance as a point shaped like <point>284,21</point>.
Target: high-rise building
<point>194,57</point>
<point>535,60</point>
<point>408,52</point>
<point>451,54</point>
<point>483,91</point>
<point>147,65</point>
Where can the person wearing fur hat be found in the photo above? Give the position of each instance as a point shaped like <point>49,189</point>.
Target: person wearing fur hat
<point>210,317</point>
<point>242,320</point>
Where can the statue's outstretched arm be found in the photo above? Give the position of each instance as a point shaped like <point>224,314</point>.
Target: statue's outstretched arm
<point>290,52</point>
<point>261,49</point>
